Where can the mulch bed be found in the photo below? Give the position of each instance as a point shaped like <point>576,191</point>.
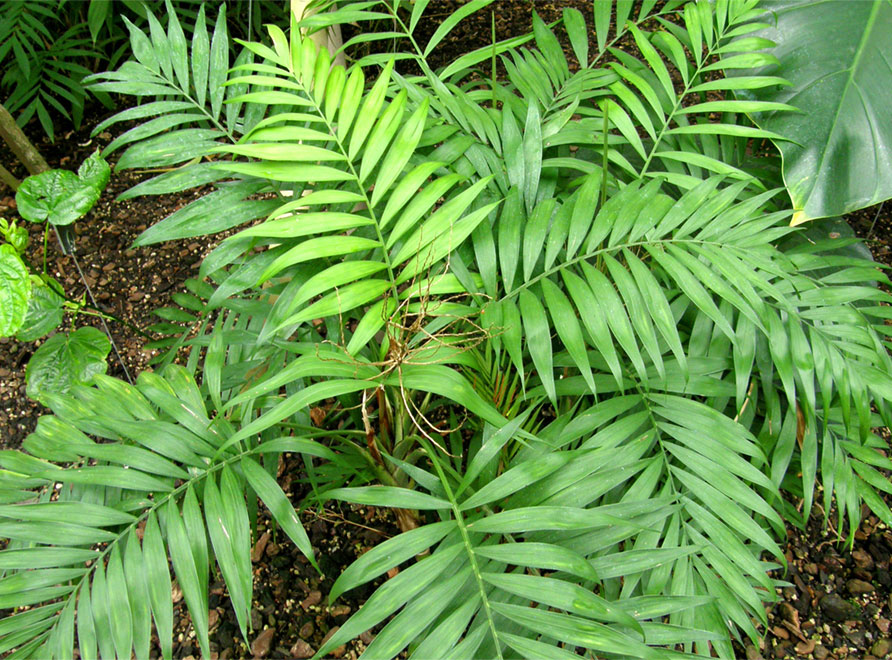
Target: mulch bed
<point>839,604</point>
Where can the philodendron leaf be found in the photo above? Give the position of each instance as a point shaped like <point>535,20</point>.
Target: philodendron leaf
<point>66,360</point>
<point>840,155</point>
<point>15,290</point>
<point>95,172</point>
<point>60,197</point>
<point>45,311</point>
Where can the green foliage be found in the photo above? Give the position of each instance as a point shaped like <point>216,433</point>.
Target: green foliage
<point>34,303</point>
<point>43,52</point>
<point>46,308</point>
<point>65,360</point>
<point>47,47</point>
<point>15,290</point>
<point>60,197</point>
<point>570,337</point>
<point>847,77</point>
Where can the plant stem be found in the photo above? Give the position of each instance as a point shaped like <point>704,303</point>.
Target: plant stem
<point>7,178</point>
<point>20,145</point>
<point>86,308</point>
<point>46,233</point>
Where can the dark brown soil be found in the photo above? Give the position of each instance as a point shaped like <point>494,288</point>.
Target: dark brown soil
<point>839,604</point>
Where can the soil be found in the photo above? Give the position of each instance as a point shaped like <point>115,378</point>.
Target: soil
<point>839,604</point>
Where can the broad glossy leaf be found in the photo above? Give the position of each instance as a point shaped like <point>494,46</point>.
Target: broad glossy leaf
<point>66,360</point>
<point>45,309</point>
<point>94,172</point>
<point>15,291</point>
<point>840,155</point>
<point>60,197</point>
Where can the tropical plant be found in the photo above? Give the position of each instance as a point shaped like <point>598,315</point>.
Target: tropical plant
<point>43,56</point>
<point>845,78</point>
<point>558,321</point>
<point>47,47</point>
<point>33,301</point>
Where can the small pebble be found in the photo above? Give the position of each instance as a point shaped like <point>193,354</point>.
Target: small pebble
<point>805,647</point>
<point>881,648</point>
<point>312,599</point>
<point>302,650</point>
<point>752,653</point>
<point>262,643</point>
<point>857,587</point>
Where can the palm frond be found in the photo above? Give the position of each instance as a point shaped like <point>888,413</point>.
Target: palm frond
<point>164,481</point>
<point>612,564</point>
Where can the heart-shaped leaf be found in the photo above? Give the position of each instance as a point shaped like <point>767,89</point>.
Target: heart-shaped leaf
<point>60,197</point>
<point>45,311</point>
<point>838,57</point>
<point>15,290</point>
<point>95,172</point>
<point>66,360</point>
